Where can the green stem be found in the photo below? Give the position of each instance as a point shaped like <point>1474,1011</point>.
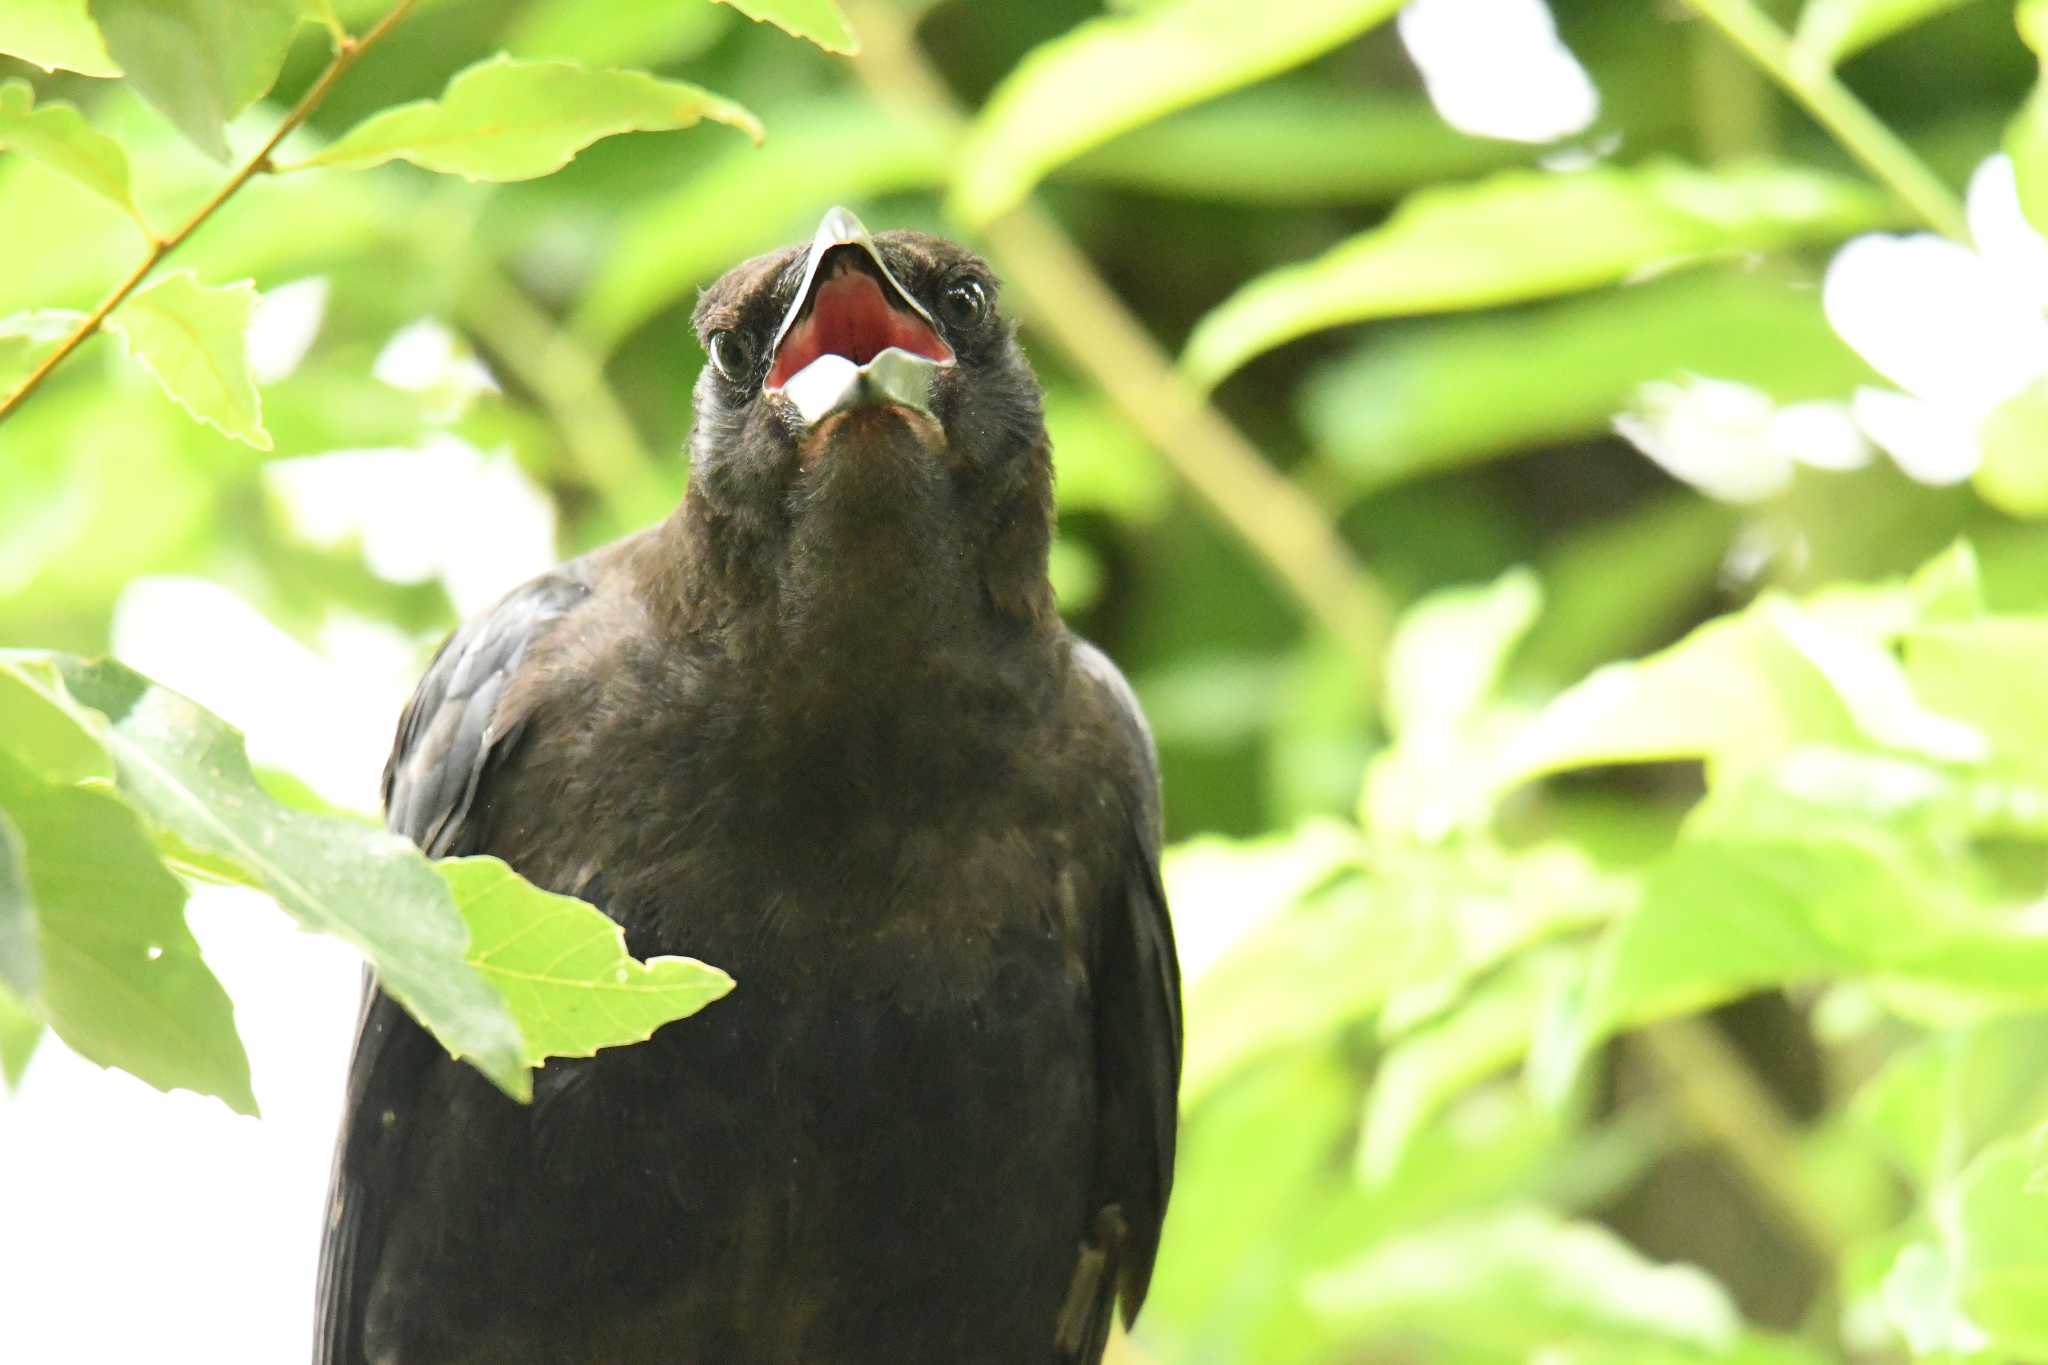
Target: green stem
<point>346,53</point>
<point>568,380</point>
<point>1862,134</point>
<point>1713,1088</point>
<point>1733,105</point>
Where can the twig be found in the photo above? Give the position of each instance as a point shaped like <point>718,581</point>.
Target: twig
<point>1715,1091</point>
<point>569,382</point>
<point>1862,134</point>
<point>1069,301</point>
<point>1734,109</point>
<point>346,52</point>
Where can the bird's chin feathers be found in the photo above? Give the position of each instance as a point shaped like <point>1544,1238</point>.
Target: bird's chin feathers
<point>880,433</point>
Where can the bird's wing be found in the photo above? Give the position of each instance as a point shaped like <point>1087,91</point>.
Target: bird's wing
<point>452,730</point>
<point>1136,983</point>
<point>453,734</point>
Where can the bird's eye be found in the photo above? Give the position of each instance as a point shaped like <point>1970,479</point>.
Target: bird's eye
<point>964,302</point>
<point>733,354</point>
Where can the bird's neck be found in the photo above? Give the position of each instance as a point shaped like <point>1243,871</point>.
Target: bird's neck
<point>860,678</point>
<point>872,566</point>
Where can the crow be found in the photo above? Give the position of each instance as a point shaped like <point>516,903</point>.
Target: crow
<point>823,727</point>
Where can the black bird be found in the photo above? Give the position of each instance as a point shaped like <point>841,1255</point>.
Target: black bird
<point>822,727</point>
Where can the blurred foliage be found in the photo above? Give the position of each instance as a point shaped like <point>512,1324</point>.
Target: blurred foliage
<point>104,908</point>
<point>1636,956</point>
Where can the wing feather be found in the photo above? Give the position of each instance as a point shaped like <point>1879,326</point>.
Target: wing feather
<point>450,738</point>
<point>1137,1030</point>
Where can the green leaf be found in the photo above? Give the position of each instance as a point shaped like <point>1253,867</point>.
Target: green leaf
<point>1826,864</point>
<point>57,35</point>
<point>1979,1292</point>
<point>1988,1079</point>
<point>503,119</point>
<point>26,337</point>
<point>1949,588</point>
<point>1450,649</point>
<point>199,62</point>
<point>1445,661</point>
<point>1219,887</point>
<point>616,35</point>
<point>323,13</point>
<point>833,150</point>
<point>1625,583</point>
<point>1293,145</point>
<point>59,137</point>
<point>1733,692</point>
<point>192,338</point>
<point>1779,674</point>
<point>122,981</point>
<point>41,736</point>
<point>1319,944</point>
<point>40,326</point>
<point>2026,142</point>
<point>20,1031</point>
<point>1919,1298</point>
<point>1109,75</point>
<point>1422,1073</point>
<point>1435,395</point>
<point>1832,30</point>
<point>1720,919</point>
<point>818,20</point>
<point>1751,1349</point>
<point>1872,684</point>
<point>1526,235</point>
<point>1301,968</point>
<point>2031,18</point>
<point>187,773</point>
<point>2013,473</point>
<point>1254,1171</point>
<point>21,963</point>
<point>1990,674</point>
<point>1517,1280</point>
<point>562,965</point>
<point>2000,1217</point>
<point>2026,137</point>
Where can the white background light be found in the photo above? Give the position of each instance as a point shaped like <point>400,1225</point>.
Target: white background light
<point>1496,68</point>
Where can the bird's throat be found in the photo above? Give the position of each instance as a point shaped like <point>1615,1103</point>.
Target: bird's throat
<point>876,555</point>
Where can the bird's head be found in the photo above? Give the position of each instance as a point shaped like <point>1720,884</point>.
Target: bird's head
<point>865,403</point>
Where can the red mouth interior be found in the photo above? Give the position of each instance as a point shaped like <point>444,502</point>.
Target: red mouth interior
<point>851,315</point>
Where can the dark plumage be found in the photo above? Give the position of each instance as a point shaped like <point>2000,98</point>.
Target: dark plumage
<point>823,728</point>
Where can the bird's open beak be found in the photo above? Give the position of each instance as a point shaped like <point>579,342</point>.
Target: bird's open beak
<point>854,335</point>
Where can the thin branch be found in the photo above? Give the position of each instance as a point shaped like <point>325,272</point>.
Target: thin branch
<point>346,52</point>
<point>1069,302</point>
<point>569,381</point>
<point>1734,110</point>
<point>1862,134</point>
<point>1714,1089</point>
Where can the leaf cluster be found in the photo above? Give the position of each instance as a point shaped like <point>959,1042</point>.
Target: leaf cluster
<point>1481,899</point>
<point>115,786</point>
